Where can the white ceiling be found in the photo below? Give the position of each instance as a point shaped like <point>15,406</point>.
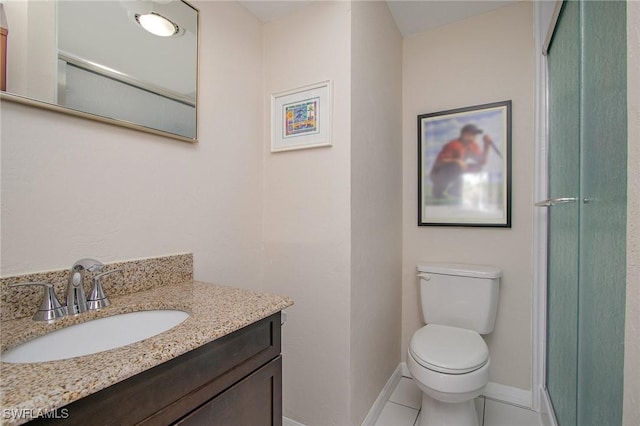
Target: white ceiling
<point>269,10</point>
<point>412,16</point>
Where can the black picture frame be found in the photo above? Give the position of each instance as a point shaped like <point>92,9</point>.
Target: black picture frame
<point>463,181</point>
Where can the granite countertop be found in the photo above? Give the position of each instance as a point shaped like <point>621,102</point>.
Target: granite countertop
<point>215,311</point>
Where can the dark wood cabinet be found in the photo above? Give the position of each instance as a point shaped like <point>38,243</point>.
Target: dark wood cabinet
<point>234,380</point>
<point>253,401</point>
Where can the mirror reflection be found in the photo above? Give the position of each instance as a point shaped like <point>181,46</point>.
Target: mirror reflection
<point>133,61</point>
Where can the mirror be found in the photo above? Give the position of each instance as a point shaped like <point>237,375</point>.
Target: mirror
<point>95,59</point>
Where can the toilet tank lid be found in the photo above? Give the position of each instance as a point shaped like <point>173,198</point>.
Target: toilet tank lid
<point>460,269</point>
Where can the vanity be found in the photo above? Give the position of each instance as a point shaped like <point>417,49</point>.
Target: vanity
<point>222,365</point>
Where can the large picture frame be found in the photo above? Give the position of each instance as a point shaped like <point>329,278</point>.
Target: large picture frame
<point>301,118</point>
<point>464,166</point>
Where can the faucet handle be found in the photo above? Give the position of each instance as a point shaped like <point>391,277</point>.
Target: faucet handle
<point>97,299</point>
<point>50,307</point>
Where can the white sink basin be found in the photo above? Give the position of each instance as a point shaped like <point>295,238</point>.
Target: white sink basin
<point>94,336</point>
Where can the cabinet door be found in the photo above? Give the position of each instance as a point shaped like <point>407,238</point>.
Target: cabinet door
<point>254,401</point>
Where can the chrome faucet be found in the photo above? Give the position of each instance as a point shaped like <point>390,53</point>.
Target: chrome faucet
<point>76,300</point>
<point>50,307</point>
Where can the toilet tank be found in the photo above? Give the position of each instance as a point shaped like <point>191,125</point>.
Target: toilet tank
<point>459,295</point>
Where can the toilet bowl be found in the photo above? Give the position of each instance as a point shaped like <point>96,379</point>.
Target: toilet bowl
<point>448,359</point>
<point>449,383</point>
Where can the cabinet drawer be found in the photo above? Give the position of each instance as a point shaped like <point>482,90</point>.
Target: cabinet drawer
<point>165,393</point>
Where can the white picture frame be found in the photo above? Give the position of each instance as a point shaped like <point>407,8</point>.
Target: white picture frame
<point>301,118</point>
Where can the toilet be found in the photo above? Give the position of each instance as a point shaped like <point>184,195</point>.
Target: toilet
<point>448,359</point>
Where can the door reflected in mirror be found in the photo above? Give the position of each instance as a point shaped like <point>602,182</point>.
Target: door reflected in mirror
<point>97,58</point>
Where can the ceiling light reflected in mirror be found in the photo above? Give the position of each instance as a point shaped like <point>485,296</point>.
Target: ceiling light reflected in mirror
<point>157,24</point>
<point>132,62</point>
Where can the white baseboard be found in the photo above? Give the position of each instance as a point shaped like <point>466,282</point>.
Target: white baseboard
<point>383,397</point>
<point>508,394</point>
<point>405,370</point>
<point>547,415</point>
<point>288,422</point>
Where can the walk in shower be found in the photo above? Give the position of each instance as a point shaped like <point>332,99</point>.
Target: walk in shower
<point>587,140</point>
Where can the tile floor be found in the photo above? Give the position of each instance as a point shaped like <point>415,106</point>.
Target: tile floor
<point>403,409</point>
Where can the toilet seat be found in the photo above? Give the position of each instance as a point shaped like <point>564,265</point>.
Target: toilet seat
<point>449,350</point>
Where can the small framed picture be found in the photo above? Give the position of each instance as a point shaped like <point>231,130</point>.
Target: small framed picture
<point>464,166</point>
<point>301,118</point>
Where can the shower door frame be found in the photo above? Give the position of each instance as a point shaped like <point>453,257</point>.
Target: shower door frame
<point>541,401</point>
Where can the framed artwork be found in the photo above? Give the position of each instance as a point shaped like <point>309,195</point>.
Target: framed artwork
<point>464,166</point>
<point>301,118</point>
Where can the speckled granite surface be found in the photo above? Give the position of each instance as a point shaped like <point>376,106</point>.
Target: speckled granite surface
<point>137,275</point>
<point>215,312</point>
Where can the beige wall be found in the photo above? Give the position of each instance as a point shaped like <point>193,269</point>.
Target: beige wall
<point>631,414</point>
<point>73,188</point>
<point>376,202</point>
<point>319,225</point>
<point>483,59</point>
<point>306,220</point>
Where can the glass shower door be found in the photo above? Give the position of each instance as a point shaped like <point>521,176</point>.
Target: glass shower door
<point>564,219</point>
<point>603,218</point>
<point>587,221</point>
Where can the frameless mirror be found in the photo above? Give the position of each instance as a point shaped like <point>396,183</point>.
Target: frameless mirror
<point>128,62</point>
